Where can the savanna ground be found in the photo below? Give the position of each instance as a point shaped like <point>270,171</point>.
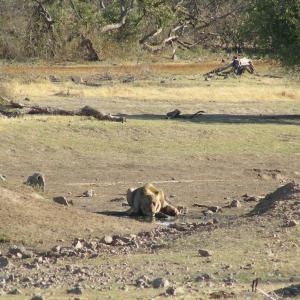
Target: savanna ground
<point>247,141</point>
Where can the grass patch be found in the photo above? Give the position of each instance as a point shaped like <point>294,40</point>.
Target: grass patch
<point>4,238</point>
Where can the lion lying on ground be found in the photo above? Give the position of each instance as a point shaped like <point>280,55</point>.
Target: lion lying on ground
<point>148,201</point>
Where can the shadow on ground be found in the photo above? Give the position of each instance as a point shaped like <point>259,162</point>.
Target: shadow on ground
<point>226,118</point>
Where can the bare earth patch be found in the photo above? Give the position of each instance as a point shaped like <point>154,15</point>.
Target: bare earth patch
<point>244,149</point>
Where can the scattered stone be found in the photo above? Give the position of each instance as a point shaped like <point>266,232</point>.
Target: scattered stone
<point>89,193</point>
<point>75,290</point>
<point>3,178</point>
<point>20,252</point>
<point>77,244</point>
<point>143,282</point>
<point>204,252</point>
<point>221,295</point>
<point>215,209</point>
<point>235,203</point>
<point>292,223</point>
<point>14,292</point>
<point>107,239</point>
<point>4,262</point>
<point>174,291</point>
<point>208,212</point>
<point>229,281</point>
<point>160,283</point>
<point>249,198</point>
<point>203,277</point>
<point>118,199</point>
<point>61,200</point>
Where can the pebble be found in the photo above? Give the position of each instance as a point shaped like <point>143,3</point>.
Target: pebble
<point>235,203</point>
<point>204,252</point>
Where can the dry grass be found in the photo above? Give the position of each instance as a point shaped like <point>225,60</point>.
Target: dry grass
<point>222,154</point>
<point>244,89</point>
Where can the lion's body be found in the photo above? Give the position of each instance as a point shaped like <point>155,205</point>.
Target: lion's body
<point>148,201</point>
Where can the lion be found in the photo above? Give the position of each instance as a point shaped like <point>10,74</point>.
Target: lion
<point>148,201</point>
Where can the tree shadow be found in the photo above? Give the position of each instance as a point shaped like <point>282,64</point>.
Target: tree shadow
<point>225,118</point>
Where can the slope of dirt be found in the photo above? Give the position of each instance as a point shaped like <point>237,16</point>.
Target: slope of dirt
<point>285,199</point>
<point>29,218</point>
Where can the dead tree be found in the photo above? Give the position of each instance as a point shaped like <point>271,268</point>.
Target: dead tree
<point>45,15</point>
<point>236,66</point>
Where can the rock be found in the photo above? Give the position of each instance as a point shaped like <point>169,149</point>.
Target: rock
<point>75,290</point>
<point>160,283</point>
<point>14,292</point>
<point>174,291</point>
<point>56,249</point>
<point>89,193</point>
<point>221,295</point>
<point>248,198</point>
<point>107,239</point>
<point>292,223</point>
<point>204,253</point>
<point>77,244</point>
<point>208,212</point>
<point>143,282</point>
<point>4,262</point>
<point>20,252</point>
<point>61,200</point>
<point>203,277</point>
<point>2,178</point>
<point>215,209</point>
<point>235,203</point>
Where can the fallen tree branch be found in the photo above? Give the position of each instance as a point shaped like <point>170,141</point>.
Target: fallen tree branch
<point>13,110</point>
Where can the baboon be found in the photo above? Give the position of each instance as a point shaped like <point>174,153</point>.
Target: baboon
<point>148,201</point>
<point>37,180</point>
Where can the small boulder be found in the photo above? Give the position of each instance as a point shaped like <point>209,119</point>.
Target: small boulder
<point>2,178</point>
<point>160,283</point>
<point>107,239</point>
<point>89,193</point>
<point>61,200</point>
<point>174,291</point>
<point>78,244</point>
<point>235,203</point>
<point>204,253</point>
<point>143,282</point>
<point>14,292</point>
<point>4,262</point>
<point>292,223</point>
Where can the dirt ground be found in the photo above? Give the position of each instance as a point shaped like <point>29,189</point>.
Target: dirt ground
<point>246,142</point>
